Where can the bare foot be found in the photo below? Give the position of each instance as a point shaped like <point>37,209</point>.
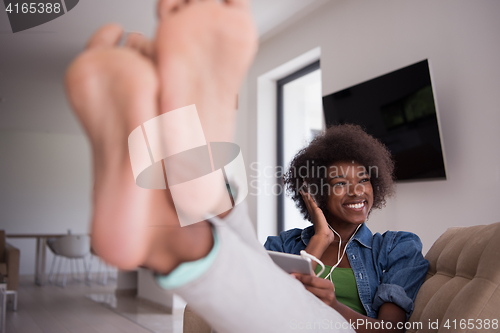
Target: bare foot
<point>203,51</point>
<point>112,91</point>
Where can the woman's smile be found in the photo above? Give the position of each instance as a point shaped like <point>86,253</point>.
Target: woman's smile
<point>351,194</point>
<point>356,206</point>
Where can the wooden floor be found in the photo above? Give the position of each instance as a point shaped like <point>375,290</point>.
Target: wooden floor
<point>78,308</point>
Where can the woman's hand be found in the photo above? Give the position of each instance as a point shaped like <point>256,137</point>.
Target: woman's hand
<point>319,221</point>
<point>321,288</point>
<point>325,291</point>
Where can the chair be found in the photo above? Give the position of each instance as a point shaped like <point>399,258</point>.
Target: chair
<point>9,263</point>
<point>70,247</point>
<point>103,269</point>
<point>9,267</point>
<point>462,286</point>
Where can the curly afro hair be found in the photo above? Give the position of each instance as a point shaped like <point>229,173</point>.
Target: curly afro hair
<point>340,143</point>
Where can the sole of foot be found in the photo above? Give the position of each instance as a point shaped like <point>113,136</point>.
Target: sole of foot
<point>112,91</point>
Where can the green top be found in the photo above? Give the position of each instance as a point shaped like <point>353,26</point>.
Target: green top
<point>346,289</point>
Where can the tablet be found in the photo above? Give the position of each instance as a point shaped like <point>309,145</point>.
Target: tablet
<point>292,263</point>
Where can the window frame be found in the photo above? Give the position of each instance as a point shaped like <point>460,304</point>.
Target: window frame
<point>280,212</point>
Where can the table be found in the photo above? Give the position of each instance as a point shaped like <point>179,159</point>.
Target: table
<point>41,246</point>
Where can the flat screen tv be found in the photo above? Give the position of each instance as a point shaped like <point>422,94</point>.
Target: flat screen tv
<point>399,109</point>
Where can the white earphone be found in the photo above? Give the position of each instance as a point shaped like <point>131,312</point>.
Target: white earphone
<point>304,254</point>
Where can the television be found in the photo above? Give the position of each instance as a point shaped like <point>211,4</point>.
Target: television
<point>399,109</point>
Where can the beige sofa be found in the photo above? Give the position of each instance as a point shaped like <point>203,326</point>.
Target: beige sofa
<point>462,285</point>
<point>462,288</point>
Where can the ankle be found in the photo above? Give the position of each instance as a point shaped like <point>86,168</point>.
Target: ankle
<point>178,245</point>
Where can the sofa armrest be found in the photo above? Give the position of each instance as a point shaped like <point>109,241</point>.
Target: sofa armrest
<point>12,257</point>
<point>194,323</point>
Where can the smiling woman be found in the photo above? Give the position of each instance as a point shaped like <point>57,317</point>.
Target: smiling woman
<point>350,196</point>
<point>336,182</point>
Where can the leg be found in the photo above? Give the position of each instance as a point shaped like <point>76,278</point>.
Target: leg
<point>43,254</point>
<point>64,273</point>
<point>51,274</point>
<point>41,244</point>
<point>61,259</point>
<point>3,294</point>
<point>37,262</point>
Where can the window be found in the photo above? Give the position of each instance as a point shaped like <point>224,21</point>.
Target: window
<point>299,118</point>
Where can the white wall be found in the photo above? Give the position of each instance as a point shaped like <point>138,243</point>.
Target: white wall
<point>360,40</point>
<point>45,187</point>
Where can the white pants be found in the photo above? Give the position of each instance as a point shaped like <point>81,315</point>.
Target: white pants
<point>245,292</point>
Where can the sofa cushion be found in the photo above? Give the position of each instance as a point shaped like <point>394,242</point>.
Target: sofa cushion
<point>462,284</point>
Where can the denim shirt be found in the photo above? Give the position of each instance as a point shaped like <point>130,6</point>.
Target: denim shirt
<point>388,267</point>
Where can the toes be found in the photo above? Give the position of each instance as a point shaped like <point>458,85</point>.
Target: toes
<point>139,43</point>
<point>107,36</point>
<point>242,3</point>
<point>166,7</point>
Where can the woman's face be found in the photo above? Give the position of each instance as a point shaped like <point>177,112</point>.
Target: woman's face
<point>350,195</point>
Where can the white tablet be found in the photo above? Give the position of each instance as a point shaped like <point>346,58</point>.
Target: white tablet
<point>292,263</point>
